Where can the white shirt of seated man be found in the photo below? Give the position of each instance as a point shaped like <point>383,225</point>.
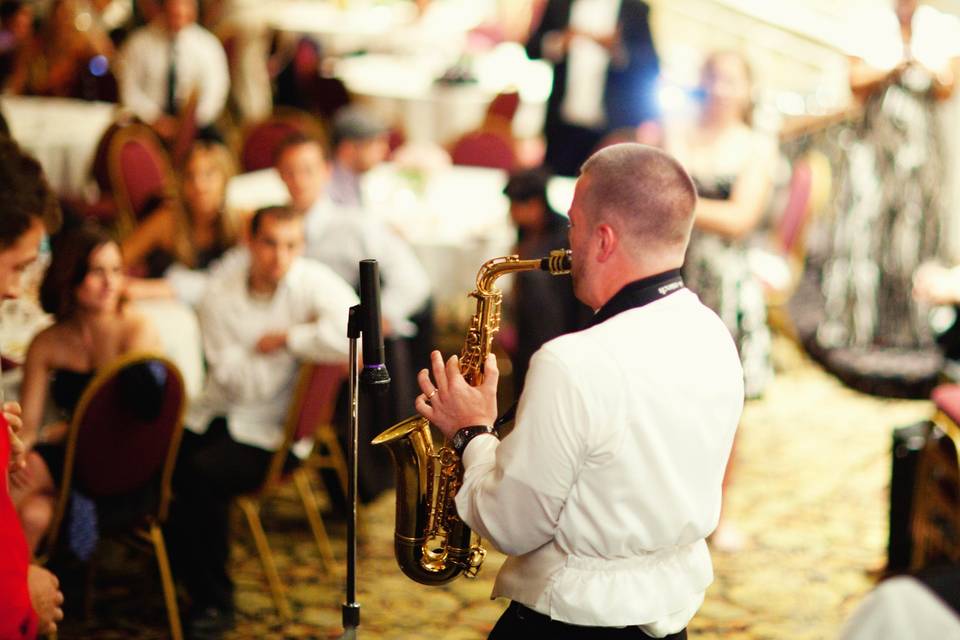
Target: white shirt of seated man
<point>198,60</point>
<point>261,318</point>
<point>341,237</point>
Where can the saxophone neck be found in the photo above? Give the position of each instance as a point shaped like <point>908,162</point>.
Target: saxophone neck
<point>556,263</point>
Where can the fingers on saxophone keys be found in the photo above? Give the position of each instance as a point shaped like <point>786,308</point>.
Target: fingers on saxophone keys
<point>439,373</point>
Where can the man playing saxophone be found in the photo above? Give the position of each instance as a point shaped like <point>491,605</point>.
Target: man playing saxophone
<point>607,487</point>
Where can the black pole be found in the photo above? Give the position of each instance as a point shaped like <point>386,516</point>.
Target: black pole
<point>351,608</point>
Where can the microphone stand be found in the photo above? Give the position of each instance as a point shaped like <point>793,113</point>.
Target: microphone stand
<point>364,320</point>
<point>350,609</point>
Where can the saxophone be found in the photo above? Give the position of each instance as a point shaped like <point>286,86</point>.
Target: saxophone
<point>431,543</point>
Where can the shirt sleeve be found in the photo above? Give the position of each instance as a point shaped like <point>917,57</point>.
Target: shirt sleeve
<point>230,362</point>
<point>406,285</point>
<point>325,338</point>
<point>134,93</point>
<point>514,491</point>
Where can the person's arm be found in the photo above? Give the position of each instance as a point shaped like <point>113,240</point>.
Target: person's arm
<point>324,338</point>
<point>406,285</point>
<point>945,81</point>
<point>513,491</point>
<point>739,215</point>
<point>215,81</point>
<point>551,37</point>
<point>33,387</point>
<point>155,232</point>
<point>866,79</point>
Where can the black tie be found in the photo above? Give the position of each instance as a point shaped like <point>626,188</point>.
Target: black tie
<point>171,106</point>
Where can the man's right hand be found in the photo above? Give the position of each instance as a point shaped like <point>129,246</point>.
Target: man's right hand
<point>46,598</point>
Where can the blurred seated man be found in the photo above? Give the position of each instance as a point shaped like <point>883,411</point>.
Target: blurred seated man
<point>167,61</point>
<point>342,236</point>
<point>359,142</point>
<point>258,323</point>
<point>544,306</point>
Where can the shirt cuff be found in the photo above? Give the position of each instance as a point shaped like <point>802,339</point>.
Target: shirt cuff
<point>482,448</point>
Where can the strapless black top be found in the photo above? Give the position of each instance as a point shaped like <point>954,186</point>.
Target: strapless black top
<point>67,386</point>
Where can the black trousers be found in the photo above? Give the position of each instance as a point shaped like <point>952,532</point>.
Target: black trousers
<point>519,621</point>
<point>211,470</point>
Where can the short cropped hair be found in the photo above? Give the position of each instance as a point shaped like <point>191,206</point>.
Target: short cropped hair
<point>25,196</point>
<point>275,212</point>
<point>645,190</point>
<point>297,139</point>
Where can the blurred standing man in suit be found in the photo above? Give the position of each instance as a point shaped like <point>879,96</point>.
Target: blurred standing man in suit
<point>605,70</point>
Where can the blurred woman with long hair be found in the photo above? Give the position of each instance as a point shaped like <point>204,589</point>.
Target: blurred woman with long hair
<point>93,325</point>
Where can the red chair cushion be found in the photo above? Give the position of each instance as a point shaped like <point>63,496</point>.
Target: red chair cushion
<point>125,429</point>
<point>262,142</point>
<point>142,173</point>
<point>317,403</point>
<point>483,149</point>
<point>798,201</point>
<point>946,397</point>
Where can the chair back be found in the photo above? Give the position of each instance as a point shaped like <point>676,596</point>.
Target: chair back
<point>935,521</point>
<point>312,405</point>
<point>261,140</point>
<point>125,434</point>
<point>504,105</point>
<point>187,130</point>
<point>484,149</point>
<point>140,171</point>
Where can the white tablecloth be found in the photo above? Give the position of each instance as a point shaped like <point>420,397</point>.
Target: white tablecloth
<point>379,25</point>
<point>403,90</point>
<point>61,133</point>
<point>176,323</point>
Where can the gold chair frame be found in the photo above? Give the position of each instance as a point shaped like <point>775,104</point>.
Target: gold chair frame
<point>929,506</point>
<point>250,503</point>
<point>150,533</point>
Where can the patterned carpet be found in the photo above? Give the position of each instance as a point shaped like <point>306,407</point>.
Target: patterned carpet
<point>809,490</point>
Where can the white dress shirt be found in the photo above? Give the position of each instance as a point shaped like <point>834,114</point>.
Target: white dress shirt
<point>606,489</point>
<point>902,608</point>
<point>253,390</point>
<point>588,62</point>
<point>201,65</point>
<point>340,238</point>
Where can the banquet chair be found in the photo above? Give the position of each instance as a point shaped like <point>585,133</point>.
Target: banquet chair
<point>121,449</point>
<point>484,149</point>
<point>935,521</point>
<point>140,171</point>
<point>809,187</point>
<point>260,140</point>
<point>309,416</point>
<point>500,113</point>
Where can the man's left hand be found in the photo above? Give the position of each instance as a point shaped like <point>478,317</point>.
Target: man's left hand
<point>271,342</point>
<point>450,402</point>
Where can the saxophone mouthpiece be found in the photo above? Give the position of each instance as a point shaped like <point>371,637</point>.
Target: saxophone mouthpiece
<point>558,262</point>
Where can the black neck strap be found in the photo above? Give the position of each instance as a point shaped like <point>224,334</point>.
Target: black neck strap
<point>639,293</point>
<point>632,296</point>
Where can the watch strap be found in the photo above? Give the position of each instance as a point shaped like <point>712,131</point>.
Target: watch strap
<point>463,436</point>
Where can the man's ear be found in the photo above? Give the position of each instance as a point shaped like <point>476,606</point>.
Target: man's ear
<point>607,239</point>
